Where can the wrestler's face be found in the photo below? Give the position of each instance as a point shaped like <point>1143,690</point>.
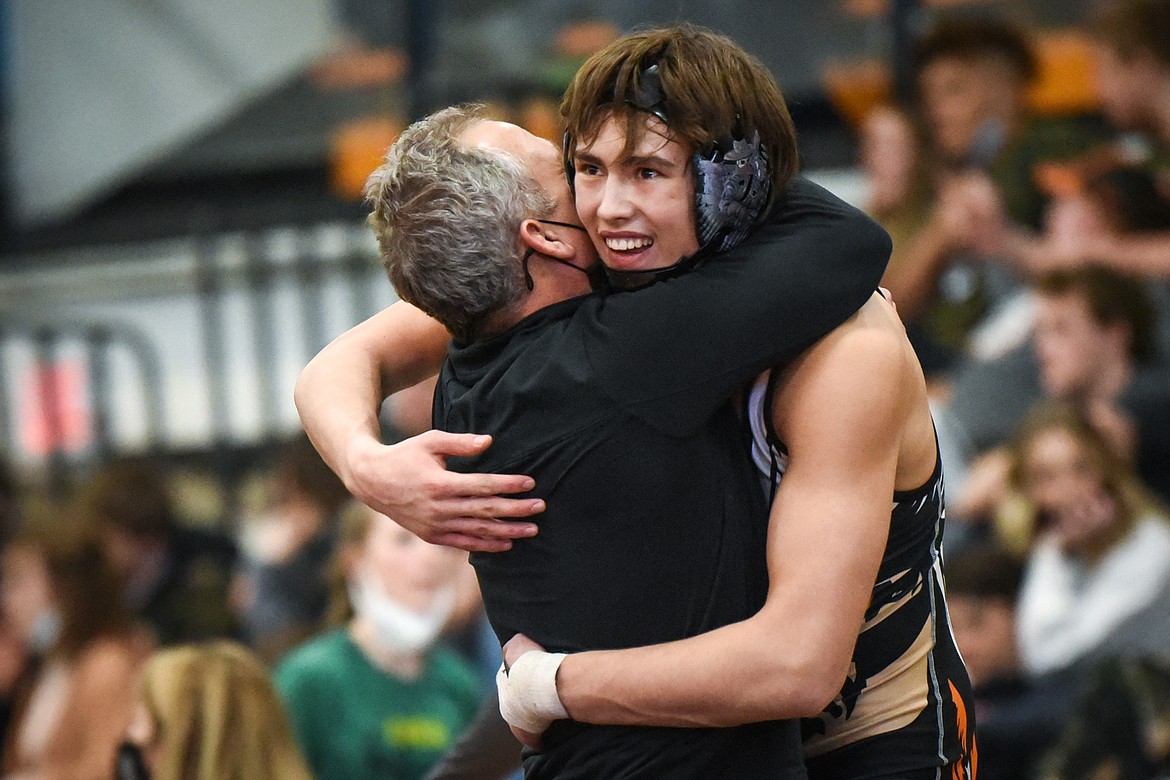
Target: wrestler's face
<point>639,207</point>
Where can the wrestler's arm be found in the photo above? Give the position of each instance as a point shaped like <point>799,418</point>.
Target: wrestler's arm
<point>338,396</point>
<point>672,353</point>
<point>841,412</point>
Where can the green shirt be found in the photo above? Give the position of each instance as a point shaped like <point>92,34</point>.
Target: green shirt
<point>355,721</point>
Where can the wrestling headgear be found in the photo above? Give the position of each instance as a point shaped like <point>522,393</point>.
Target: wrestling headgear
<point>732,185</point>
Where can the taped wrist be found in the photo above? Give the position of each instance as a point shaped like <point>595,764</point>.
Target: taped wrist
<point>528,691</point>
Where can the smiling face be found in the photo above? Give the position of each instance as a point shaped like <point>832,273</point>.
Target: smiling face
<point>638,207</point>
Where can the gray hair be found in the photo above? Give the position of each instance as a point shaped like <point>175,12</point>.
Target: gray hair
<point>447,219</point>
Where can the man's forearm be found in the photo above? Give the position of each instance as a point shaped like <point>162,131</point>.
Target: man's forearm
<point>340,392</point>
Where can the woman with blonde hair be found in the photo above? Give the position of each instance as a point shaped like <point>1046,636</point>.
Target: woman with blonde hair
<point>209,712</point>
<point>1100,543</point>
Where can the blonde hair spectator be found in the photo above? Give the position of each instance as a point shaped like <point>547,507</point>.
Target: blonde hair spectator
<point>209,712</point>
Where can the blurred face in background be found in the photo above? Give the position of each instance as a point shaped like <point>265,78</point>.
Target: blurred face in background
<point>985,631</point>
<point>888,152</point>
<point>25,591</point>
<point>1071,345</point>
<point>409,570</point>
<point>1065,482</point>
<point>961,96</point>
<point>1124,86</point>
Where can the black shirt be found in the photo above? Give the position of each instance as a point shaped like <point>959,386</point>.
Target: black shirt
<point>618,406</point>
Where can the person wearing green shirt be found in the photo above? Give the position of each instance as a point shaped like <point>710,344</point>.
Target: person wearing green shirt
<point>377,698</point>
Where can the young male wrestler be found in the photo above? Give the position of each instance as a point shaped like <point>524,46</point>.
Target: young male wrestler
<point>856,526</point>
<point>632,458</point>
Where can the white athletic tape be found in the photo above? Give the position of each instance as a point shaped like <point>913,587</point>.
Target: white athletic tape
<point>528,691</point>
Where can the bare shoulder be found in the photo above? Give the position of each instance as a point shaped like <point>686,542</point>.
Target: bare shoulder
<point>864,365</point>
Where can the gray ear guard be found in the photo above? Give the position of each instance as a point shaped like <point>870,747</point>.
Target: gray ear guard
<point>732,183</point>
<point>731,192</point>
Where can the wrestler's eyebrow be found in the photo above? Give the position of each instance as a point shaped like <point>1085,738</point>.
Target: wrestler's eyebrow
<point>633,160</point>
<point>586,158</point>
<point>649,161</point>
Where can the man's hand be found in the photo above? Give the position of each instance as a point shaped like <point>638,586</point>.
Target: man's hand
<point>512,699</point>
<point>409,482</point>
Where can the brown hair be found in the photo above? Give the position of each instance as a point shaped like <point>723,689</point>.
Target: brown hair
<point>970,39</point>
<point>85,585</point>
<point>984,571</point>
<point>218,717</point>
<point>1112,297</point>
<point>300,471</point>
<point>354,525</point>
<point>131,494</point>
<point>712,90</point>
<point>1134,27</point>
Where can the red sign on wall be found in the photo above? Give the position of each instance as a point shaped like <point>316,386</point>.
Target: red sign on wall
<point>53,412</point>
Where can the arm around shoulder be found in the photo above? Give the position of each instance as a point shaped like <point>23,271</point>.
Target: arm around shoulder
<point>841,412</point>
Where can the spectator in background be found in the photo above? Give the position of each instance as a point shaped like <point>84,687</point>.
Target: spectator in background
<point>1132,46</point>
<point>208,711</point>
<point>1094,345</point>
<point>1118,728</point>
<point>283,586</point>
<point>63,598</point>
<point>1099,555</point>
<point>376,699</point>
<point>9,503</point>
<point>1018,717</point>
<point>176,579</point>
<point>12,654</point>
<point>982,145</point>
<point>1133,78</point>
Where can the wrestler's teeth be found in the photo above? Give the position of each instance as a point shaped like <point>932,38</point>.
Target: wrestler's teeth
<point>628,244</point>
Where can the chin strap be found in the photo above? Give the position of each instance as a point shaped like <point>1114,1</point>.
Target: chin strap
<point>633,280</point>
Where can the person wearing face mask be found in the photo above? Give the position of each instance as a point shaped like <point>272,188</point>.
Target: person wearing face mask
<point>208,711</point>
<point>62,598</point>
<point>377,698</point>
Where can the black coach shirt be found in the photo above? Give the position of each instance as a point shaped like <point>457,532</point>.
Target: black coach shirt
<point>618,406</point>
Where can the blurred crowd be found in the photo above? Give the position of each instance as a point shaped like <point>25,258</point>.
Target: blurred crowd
<point>1031,266</point>
<point>311,637</point>
<point>315,639</point>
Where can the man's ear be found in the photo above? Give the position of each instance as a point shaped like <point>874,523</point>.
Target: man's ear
<point>546,239</point>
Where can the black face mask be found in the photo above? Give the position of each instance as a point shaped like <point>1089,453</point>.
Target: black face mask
<point>596,274</point>
<point>130,763</point>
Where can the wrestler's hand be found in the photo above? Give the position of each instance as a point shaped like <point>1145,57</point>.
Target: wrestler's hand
<point>410,483</point>
<point>516,647</point>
